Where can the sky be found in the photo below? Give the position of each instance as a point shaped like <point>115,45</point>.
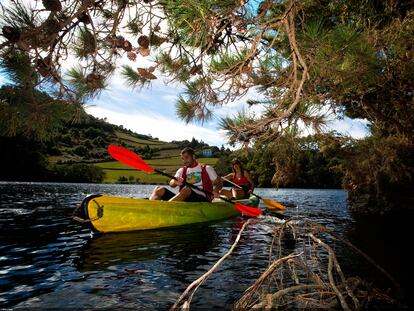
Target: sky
<point>152,111</point>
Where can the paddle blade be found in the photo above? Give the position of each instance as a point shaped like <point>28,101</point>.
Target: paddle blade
<point>129,158</point>
<point>247,210</point>
<point>273,205</point>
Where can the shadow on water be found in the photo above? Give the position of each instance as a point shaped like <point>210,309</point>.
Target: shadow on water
<point>387,240</point>
<point>178,243</point>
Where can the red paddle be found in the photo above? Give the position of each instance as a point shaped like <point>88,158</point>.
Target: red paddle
<point>132,159</point>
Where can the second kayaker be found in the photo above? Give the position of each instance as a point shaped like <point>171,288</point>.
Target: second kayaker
<point>240,177</point>
<point>200,175</point>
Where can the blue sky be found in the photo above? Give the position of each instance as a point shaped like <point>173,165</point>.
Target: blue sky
<point>151,111</point>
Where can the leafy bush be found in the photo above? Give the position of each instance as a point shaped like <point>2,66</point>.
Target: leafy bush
<point>78,172</point>
<point>81,151</point>
<point>122,180</point>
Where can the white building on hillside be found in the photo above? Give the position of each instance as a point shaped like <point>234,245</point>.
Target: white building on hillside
<point>207,153</point>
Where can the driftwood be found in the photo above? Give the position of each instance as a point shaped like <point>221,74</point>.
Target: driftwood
<point>196,284</point>
<point>308,278</point>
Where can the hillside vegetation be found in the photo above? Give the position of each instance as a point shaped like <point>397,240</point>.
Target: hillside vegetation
<point>72,146</point>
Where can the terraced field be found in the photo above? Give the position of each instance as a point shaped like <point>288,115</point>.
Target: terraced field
<point>114,170</point>
<point>166,158</point>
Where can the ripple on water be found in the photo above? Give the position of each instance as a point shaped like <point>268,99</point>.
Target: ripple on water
<point>48,261</point>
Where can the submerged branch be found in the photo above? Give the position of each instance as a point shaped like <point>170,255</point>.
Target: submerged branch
<point>310,277</point>
<point>196,284</point>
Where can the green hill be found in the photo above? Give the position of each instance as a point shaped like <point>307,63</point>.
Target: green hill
<point>72,146</point>
<point>87,142</point>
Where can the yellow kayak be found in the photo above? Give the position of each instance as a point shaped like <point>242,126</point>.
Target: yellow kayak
<point>118,214</point>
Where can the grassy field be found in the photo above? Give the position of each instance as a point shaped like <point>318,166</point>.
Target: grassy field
<point>112,176</point>
<point>166,158</point>
<point>138,141</point>
<point>114,170</point>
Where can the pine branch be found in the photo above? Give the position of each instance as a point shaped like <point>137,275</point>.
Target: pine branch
<point>133,78</point>
<point>16,66</point>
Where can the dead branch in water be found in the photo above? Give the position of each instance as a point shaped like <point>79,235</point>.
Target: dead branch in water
<point>307,278</point>
<point>196,284</point>
<point>311,278</point>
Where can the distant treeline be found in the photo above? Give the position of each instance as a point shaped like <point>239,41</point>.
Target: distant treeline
<point>310,168</point>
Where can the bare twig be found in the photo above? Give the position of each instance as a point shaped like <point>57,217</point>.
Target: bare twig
<point>194,286</point>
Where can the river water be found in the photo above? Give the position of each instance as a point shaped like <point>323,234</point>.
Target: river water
<point>49,261</point>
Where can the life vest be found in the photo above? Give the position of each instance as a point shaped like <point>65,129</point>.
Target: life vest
<point>242,181</point>
<point>205,180</point>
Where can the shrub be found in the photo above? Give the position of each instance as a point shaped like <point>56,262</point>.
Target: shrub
<point>78,172</point>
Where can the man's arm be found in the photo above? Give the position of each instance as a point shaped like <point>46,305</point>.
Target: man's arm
<point>174,183</point>
<point>215,179</point>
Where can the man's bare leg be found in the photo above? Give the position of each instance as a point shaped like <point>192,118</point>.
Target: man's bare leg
<point>157,193</point>
<point>182,195</point>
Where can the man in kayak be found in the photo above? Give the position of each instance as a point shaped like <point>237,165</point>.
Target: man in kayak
<point>201,175</point>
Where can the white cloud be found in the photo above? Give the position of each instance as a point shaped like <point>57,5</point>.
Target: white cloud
<point>357,128</point>
<point>3,79</point>
<point>160,126</point>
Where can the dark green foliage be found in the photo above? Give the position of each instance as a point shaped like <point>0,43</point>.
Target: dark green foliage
<point>145,152</point>
<point>271,164</point>
<point>194,143</point>
<point>122,180</point>
<point>378,171</point>
<point>78,172</point>
<point>22,159</point>
<point>92,132</point>
<point>80,151</point>
<point>99,142</point>
<point>16,66</point>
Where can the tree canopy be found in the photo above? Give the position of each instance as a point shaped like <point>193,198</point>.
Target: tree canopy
<point>302,59</point>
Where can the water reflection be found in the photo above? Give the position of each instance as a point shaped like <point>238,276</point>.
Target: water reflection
<point>49,261</point>
<point>175,243</point>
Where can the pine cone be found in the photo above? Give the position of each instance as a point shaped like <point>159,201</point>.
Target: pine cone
<point>144,52</point>
<point>52,26</point>
<point>94,80</point>
<point>127,46</point>
<point>43,66</point>
<point>84,18</point>
<point>109,42</point>
<point>132,56</point>
<point>151,69</point>
<point>144,41</point>
<point>146,74</point>
<point>52,5</point>
<point>11,34</point>
<point>120,42</point>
